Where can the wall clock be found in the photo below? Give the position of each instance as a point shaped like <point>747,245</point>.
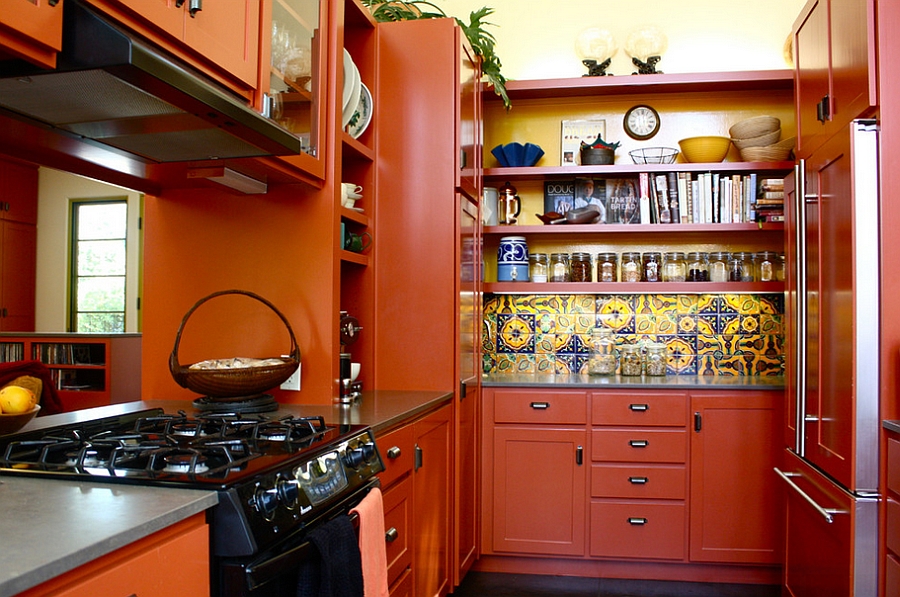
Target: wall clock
<point>641,122</point>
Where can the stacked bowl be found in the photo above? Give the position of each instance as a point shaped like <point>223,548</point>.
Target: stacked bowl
<point>759,140</point>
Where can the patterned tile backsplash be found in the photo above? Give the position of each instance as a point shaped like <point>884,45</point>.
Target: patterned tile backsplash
<point>704,334</point>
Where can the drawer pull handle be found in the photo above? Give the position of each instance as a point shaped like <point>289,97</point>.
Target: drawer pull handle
<point>638,480</point>
<point>391,535</point>
<point>540,405</point>
<point>632,520</point>
<point>393,452</point>
<point>638,443</point>
<point>639,408</point>
<point>827,513</point>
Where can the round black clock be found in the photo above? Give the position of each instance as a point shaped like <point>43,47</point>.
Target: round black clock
<point>641,122</point>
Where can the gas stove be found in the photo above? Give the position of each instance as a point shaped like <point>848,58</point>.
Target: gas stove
<point>274,474</point>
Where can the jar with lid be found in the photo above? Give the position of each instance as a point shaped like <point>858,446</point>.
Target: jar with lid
<point>559,267</point>
<point>765,264</point>
<point>603,356</point>
<point>582,267</point>
<point>746,267</point>
<point>674,267</point>
<point>652,266</point>
<point>632,361</point>
<point>697,267</point>
<point>718,266</point>
<point>538,267</point>
<point>780,268</point>
<point>655,359</point>
<point>607,265</point>
<point>631,267</point>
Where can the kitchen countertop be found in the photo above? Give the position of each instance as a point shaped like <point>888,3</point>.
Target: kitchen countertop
<point>51,526</point>
<point>670,382</point>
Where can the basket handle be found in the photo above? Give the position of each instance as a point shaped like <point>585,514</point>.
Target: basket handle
<point>295,350</point>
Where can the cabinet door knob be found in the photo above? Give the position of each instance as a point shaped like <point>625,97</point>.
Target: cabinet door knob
<point>391,535</point>
<point>393,452</point>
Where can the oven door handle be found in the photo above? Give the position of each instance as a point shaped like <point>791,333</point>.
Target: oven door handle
<point>260,573</point>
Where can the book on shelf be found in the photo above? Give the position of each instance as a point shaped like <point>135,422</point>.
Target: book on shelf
<point>589,191</point>
<point>623,196</point>
<point>573,133</point>
<point>559,195</point>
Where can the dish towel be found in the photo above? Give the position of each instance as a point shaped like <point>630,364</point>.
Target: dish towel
<point>334,568</point>
<point>372,544</point>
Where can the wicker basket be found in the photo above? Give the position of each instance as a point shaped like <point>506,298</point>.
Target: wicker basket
<point>754,127</point>
<point>760,141</point>
<point>228,383</point>
<point>771,153</point>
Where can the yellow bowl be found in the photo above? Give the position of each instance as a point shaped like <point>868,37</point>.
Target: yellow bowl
<point>12,422</point>
<point>705,149</point>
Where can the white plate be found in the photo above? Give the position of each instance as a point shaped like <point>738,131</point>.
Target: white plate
<point>350,108</point>
<point>348,79</point>
<point>363,115</point>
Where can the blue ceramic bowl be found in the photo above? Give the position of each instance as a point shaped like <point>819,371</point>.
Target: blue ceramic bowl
<point>517,155</point>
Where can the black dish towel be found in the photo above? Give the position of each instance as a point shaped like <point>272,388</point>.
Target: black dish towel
<point>334,568</point>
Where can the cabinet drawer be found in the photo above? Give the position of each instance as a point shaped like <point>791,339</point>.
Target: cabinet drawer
<point>893,525</point>
<point>638,530</point>
<point>639,445</point>
<point>540,407</point>
<point>893,465</point>
<point>891,575</point>
<point>397,452</point>
<point>636,481</point>
<point>638,409</point>
<point>397,527</point>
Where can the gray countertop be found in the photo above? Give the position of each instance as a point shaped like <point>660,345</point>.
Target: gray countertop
<point>671,382</point>
<point>51,526</point>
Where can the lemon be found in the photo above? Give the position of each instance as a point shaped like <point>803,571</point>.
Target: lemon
<point>15,399</point>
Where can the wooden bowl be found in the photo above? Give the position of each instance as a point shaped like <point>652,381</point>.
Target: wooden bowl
<point>705,149</point>
<point>770,153</point>
<point>754,127</point>
<point>12,422</point>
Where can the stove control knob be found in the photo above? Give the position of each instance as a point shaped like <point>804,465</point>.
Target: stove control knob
<point>354,458</point>
<point>266,501</point>
<point>288,492</point>
<point>368,449</point>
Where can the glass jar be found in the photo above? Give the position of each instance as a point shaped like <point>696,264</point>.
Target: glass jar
<point>603,356</point>
<point>718,266</point>
<point>607,266</point>
<point>631,267</point>
<point>559,267</point>
<point>674,267</point>
<point>632,361</point>
<point>652,266</point>
<point>746,260</point>
<point>655,359</point>
<point>538,267</point>
<point>697,267</point>
<point>582,267</point>
<point>780,268</point>
<point>764,265</point>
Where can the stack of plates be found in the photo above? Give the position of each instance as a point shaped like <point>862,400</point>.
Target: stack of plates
<point>356,104</point>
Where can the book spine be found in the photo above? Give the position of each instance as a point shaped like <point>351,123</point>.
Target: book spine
<point>674,207</point>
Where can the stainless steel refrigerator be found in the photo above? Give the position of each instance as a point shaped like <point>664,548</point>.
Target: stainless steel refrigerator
<point>832,429</point>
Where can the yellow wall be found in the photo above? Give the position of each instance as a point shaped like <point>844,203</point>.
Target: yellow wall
<point>536,38</point>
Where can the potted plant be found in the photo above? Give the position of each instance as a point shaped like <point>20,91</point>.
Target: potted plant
<point>482,41</point>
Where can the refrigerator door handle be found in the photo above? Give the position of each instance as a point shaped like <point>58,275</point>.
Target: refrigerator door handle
<point>827,513</point>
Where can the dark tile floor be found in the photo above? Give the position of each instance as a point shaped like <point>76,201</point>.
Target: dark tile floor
<point>489,584</point>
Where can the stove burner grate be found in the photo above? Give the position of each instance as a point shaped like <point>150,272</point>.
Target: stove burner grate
<point>260,403</point>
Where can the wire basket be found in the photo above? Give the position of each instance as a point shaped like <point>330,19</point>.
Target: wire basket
<point>653,155</point>
<point>229,383</point>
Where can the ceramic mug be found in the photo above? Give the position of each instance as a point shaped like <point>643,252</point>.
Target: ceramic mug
<point>351,191</point>
<point>357,242</point>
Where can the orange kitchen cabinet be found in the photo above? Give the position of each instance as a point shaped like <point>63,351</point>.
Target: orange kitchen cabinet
<point>398,530</point>
<point>891,555</point>
<point>32,30</point>
<point>834,66</point>
<point>222,36</point>
<point>18,260</point>
<point>173,562</point>
<point>735,497</point>
<point>18,192</point>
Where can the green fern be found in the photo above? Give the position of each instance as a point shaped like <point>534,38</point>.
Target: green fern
<point>482,41</point>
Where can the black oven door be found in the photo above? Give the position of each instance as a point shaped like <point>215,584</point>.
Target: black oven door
<point>273,572</point>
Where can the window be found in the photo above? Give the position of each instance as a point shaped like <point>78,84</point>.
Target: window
<point>98,266</point>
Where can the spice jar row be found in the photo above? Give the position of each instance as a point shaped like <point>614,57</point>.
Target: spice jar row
<point>671,266</point>
<point>634,359</point>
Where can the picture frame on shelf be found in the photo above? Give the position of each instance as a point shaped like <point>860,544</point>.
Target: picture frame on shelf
<point>573,132</point>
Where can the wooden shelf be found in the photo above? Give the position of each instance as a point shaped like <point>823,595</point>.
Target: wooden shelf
<point>633,287</point>
<point>764,80</point>
<point>542,172</point>
<point>356,258</point>
<point>626,230</point>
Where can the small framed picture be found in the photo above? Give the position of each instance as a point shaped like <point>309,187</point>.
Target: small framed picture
<point>573,133</point>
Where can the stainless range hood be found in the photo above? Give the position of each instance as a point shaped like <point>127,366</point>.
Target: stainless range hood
<point>112,89</point>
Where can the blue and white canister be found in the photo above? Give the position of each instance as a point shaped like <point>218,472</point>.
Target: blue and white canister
<point>512,259</point>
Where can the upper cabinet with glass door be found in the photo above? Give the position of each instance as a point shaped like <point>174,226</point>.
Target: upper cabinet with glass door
<point>293,80</point>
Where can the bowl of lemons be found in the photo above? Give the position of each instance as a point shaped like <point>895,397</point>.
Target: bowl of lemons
<point>18,406</point>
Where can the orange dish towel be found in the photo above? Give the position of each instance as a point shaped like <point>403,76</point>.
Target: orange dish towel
<point>372,545</point>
